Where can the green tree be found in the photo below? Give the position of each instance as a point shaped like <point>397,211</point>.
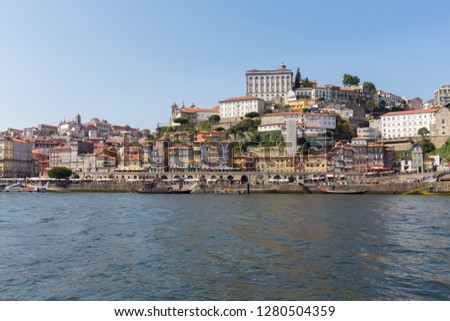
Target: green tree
<point>181,120</point>
<point>349,80</point>
<point>307,83</point>
<point>268,111</point>
<point>252,114</point>
<point>298,79</point>
<point>59,172</point>
<point>369,85</point>
<point>343,131</point>
<point>214,119</point>
<point>423,131</point>
<point>428,146</point>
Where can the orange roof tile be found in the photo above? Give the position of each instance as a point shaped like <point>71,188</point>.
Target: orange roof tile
<point>408,112</point>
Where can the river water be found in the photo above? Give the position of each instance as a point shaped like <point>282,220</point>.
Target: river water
<point>223,247</point>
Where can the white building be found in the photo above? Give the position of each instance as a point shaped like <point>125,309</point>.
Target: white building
<point>193,113</point>
<point>329,93</point>
<point>403,124</point>
<point>307,124</point>
<point>270,85</point>
<point>235,108</point>
<point>326,121</point>
<point>368,133</point>
<point>442,96</point>
<point>388,98</point>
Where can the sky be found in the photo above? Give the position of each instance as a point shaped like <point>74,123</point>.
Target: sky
<point>128,61</point>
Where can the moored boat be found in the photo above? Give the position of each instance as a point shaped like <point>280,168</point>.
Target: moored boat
<point>429,193</point>
<point>329,191</point>
<point>20,187</point>
<point>153,188</point>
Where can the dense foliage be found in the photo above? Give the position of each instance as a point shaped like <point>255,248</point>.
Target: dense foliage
<point>444,151</point>
<point>59,172</point>
<point>349,80</point>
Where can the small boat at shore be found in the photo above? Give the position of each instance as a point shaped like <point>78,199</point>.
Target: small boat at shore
<point>161,190</point>
<point>20,187</point>
<point>153,188</point>
<point>329,191</point>
<point>429,193</point>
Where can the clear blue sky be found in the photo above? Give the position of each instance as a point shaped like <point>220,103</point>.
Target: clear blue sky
<point>128,61</point>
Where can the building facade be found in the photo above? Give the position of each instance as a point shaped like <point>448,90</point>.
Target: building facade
<point>270,85</point>
<point>404,124</point>
<point>441,126</point>
<point>16,159</point>
<point>233,109</point>
<point>442,96</point>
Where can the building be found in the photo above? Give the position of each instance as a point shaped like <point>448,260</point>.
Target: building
<point>97,128</point>
<point>181,157</point>
<point>16,159</point>
<point>368,133</point>
<point>193,113</point>
<point>233,109</point>
<point>442,96</point>
<point>159,155</point>
<point>72,128</point>
<point>404,124</point>
<point>360,156</point>
<point>441,126</point>
<point>387,99</point>
<point>70,156</point>
<point>270,85</point>
<point>415,103</point>
<point>417,158</point>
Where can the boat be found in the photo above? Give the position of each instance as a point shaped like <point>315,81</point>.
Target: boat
<point>153,188</point>
<point>20,187</point>
<point>329,191</point>
<point>429,193</point>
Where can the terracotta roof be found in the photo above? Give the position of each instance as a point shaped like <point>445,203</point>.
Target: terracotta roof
<point>410,112</point>
<point>203,110</point>
<point>62,147</point>
<point>282,114</point>
<point>263,125</point>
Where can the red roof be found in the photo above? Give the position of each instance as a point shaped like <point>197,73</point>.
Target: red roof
<point>409,112</point>
<point>203,110</point>
<point>283,113</point>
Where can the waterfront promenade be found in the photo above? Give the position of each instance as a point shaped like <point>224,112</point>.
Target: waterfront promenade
<point>253,182</point>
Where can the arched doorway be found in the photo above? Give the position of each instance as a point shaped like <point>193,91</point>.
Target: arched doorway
<point>244,179</point>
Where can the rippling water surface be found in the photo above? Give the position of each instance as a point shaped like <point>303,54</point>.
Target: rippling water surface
<point>223,247</point>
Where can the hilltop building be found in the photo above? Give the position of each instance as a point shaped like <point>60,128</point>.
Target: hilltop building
<point>270,85</point>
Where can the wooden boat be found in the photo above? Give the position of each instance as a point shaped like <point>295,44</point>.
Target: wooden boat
<point>162,190</point>
<point>153,188</point>
<point>429,193</point>
<point>329,191</point>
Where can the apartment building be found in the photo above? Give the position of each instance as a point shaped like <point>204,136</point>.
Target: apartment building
<point>442,96</point>
<point>404,124</point>
<point>15,158</point>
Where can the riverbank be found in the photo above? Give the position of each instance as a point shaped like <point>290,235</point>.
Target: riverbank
<point>409,188</point>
